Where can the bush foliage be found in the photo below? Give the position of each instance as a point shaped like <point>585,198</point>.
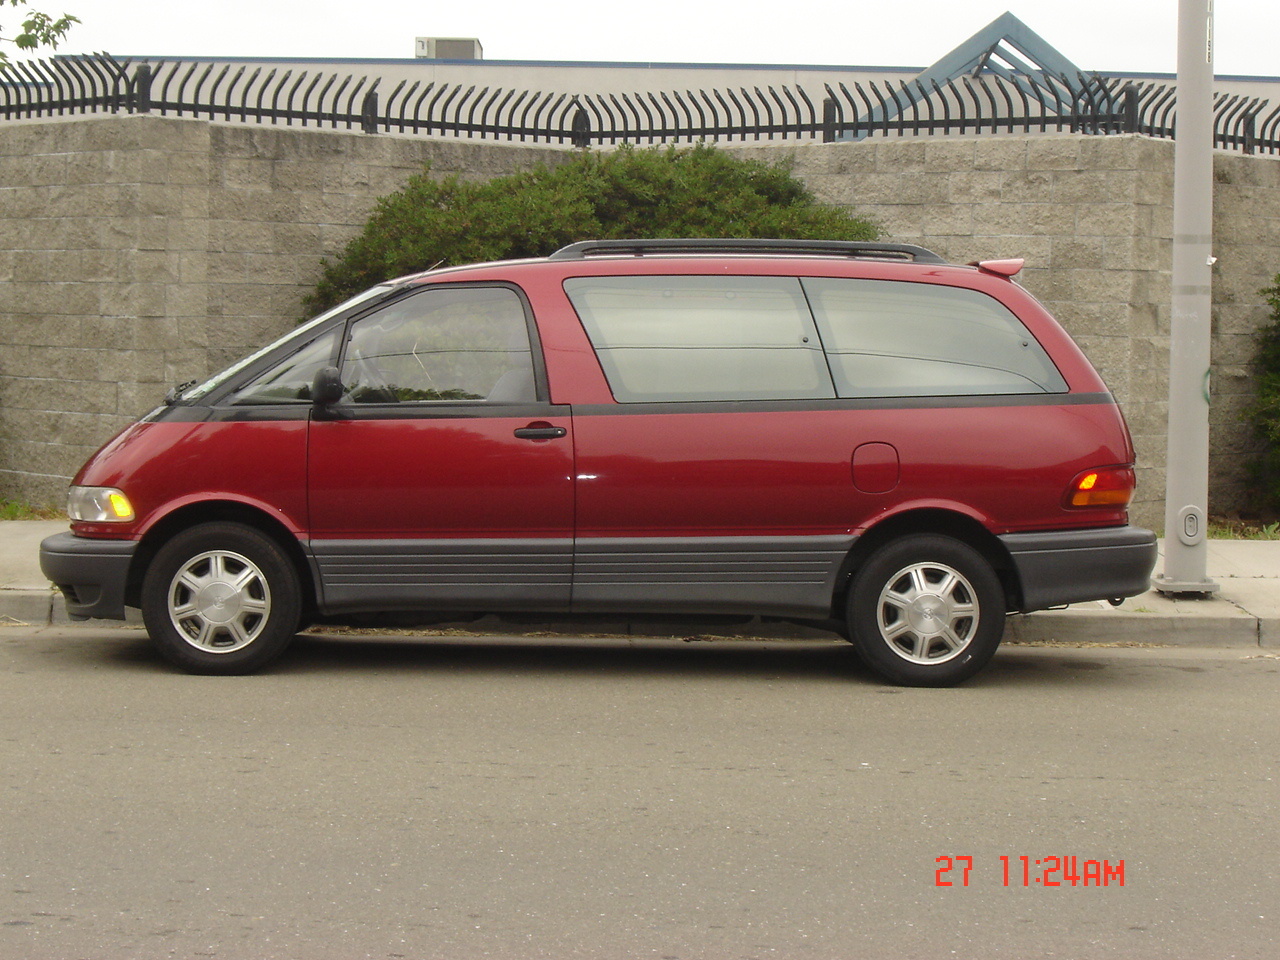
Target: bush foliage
<point>625,194</point>
<point>1265,411</point>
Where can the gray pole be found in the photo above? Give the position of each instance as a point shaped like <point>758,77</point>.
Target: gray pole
<point>1187,470</point>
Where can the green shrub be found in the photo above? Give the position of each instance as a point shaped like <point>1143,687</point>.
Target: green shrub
<point>1265,410</point>
<point>627,193</point>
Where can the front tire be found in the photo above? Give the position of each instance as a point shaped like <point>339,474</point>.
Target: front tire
<point>926,611</point>
<point>221,598</point>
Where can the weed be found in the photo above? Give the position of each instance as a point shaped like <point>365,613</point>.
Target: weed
<point>17,510</point>
<point>1233,528</point>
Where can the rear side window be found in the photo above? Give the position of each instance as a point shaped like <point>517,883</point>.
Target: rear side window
<point>887,338</point>
<point>702,338</point>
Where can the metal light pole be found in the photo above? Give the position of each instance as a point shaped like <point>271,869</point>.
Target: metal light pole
<point>1187,464</point>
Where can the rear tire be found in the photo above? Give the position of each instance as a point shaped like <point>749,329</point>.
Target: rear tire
<point>221,598</point>
<point>926,611</point>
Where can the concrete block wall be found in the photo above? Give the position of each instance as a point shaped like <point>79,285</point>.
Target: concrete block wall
<point>1246,227</point>
<point>137,252</point>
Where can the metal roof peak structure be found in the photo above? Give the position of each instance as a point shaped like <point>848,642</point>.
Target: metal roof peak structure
<point>1006,48</point>
<point>999,48</point>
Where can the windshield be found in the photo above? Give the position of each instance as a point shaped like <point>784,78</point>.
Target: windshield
<point>198,391</point>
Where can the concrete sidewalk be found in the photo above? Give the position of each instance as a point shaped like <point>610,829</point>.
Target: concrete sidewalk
<point>1245,611</point>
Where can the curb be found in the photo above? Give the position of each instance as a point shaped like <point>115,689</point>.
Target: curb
<point>1081,627</point>
<point>26,607</point>
<point>1210,623</point>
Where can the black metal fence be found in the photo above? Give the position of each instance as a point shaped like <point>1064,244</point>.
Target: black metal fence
<point>993,104</point>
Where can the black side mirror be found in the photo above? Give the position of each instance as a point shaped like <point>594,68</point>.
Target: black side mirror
<point>326,389</point>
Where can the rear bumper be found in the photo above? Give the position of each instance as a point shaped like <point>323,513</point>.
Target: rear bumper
<point>1071,566</point>
<point>92,574</point>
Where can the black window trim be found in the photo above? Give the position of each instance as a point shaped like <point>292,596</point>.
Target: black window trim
<point>427,409</point>
<point>801,277</point>
<point>819,323</point>
<point>220,398</point>
<point>802,302</point>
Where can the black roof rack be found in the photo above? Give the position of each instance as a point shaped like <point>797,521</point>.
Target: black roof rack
<point>831,248</point>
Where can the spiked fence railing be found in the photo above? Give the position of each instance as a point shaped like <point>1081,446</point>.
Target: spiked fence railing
<point>982,105</point>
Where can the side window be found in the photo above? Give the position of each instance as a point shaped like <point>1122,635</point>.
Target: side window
<point>289,381</point>
<point>887,338</point>
<point>702,338</point>
<point>442,344</point>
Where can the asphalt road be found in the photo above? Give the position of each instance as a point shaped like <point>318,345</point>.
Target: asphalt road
<point>463,798</point>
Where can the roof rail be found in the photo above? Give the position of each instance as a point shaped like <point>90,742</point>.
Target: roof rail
<point>831,248</point>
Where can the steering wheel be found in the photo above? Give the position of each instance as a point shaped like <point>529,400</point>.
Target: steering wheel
<point>371,386</point>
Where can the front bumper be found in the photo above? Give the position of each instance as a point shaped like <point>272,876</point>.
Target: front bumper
<point>92,574</point>
<point>1072,566</point>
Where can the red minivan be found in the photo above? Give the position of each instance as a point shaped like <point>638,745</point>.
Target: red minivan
<point>860,435</point>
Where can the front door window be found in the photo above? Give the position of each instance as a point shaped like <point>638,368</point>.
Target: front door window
<point>443,345</point>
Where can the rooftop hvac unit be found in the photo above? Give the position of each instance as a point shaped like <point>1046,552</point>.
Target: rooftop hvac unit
<point>448,48</point>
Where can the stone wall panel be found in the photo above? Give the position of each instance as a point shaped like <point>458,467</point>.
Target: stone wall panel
<point>139,250</point>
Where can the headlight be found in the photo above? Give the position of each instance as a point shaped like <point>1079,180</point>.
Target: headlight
<point>99,505</point>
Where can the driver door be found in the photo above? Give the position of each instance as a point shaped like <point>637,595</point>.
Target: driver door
<point>442,479</point>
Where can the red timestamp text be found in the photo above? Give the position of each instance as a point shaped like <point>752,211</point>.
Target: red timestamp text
<point>1051,871</point>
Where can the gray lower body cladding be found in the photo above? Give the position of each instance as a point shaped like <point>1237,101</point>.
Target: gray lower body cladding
<point>782,576</point>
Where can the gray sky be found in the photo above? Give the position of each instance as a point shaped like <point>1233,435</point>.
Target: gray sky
<point>1102,35</point>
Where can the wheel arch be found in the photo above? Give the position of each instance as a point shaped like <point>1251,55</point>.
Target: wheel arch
<point>209,511</point>
<point>930,520</point>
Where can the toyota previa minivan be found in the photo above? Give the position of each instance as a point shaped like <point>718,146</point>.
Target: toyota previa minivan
<point>857,435</point>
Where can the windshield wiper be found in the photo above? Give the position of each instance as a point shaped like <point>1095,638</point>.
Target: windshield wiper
<point>174,395</point>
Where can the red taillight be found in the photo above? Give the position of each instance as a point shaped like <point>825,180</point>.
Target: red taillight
<point>1102,487</point>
